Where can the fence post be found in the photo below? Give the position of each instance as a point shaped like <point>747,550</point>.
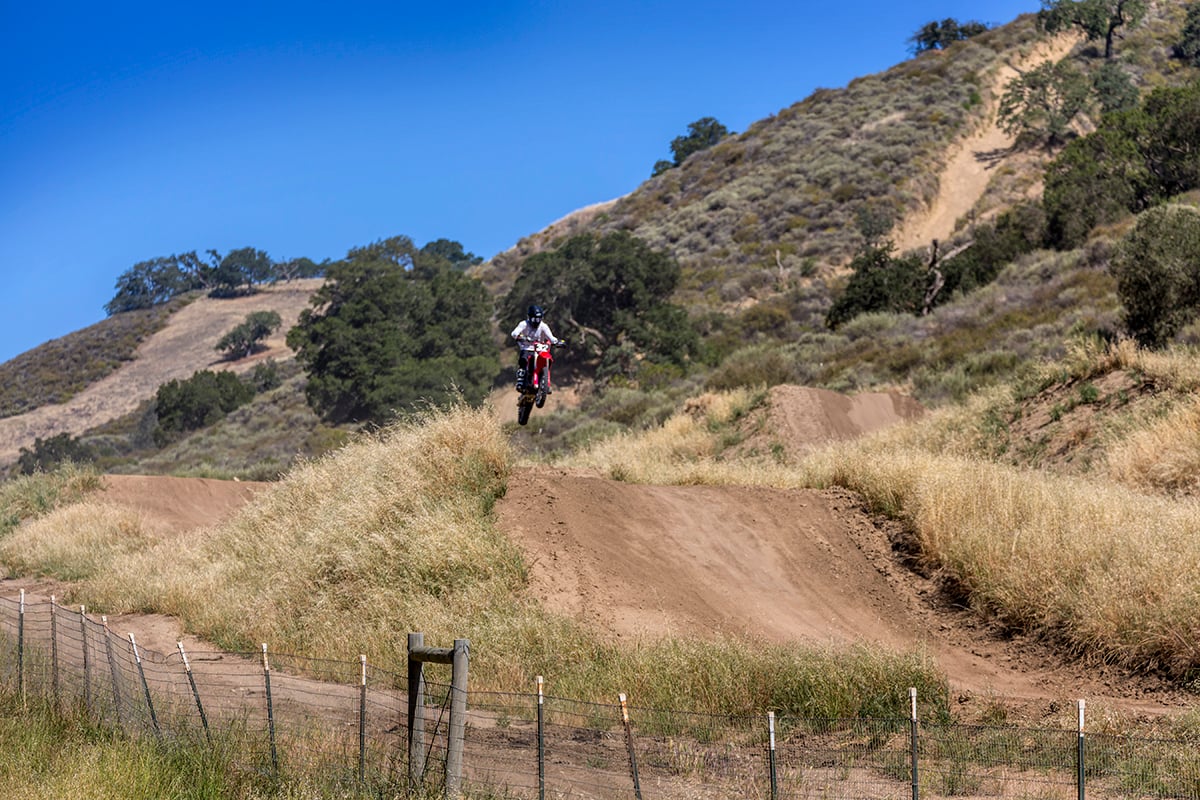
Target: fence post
<point>771,754</point>
<point>87,672</point>
<point>53,650</point>
<point>458,716</point>
<point>541,734</point>
<point>416,711</point>
<point>362,723</point>
<point>187,668</point>
<point>21,648</point>
<point>270,710</point>
<point>1079,751</point>
<point>912,701</point>
<point>637,786</point>
<point>113,670</point>
<point>137,658</point>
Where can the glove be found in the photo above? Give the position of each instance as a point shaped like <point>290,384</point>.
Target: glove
<point>561,343</point>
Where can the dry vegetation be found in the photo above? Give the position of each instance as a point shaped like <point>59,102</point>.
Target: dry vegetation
<point>61,368</point>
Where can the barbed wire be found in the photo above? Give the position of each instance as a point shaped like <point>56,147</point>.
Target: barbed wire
<point>347,721</point>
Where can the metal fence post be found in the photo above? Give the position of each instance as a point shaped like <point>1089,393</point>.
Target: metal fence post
<point>21,648</point>
<point>187,668</point>
<point>541,737</point>
<point>912,701</point>
<point>1079,752</point>
<point>771,754</point>
<point>270,710</point>
<point>362,722</point>
<point>137,657</point>
<point>87,672</point>
<point>53,650</point>
<point>637,786</point>
<point>114,671</point>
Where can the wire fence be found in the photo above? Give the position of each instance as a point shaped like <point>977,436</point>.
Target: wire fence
<point>347,722</point>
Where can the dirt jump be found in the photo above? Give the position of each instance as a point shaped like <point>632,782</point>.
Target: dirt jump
<point>639,561</point>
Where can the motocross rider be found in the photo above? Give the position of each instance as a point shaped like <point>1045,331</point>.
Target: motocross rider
<point>528,333</point>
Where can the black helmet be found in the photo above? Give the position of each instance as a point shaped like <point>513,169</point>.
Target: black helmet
<point>534,315</point>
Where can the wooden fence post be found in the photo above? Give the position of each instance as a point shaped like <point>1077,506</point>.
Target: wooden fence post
<point>460,663</point>
<point>416,710</point>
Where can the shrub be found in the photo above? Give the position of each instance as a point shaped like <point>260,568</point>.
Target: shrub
<point>880,283</point>
<point>1157,267</point>
<point>197,403</point>
<point>49,453</point>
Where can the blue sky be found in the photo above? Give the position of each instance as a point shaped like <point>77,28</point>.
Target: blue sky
<point>132,130</point>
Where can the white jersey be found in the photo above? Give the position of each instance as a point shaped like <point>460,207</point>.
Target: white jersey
<point>527,335</point>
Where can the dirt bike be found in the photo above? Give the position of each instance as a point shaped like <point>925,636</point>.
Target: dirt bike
<point>535,386</point>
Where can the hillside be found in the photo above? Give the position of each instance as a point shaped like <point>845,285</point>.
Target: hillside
<point>780,198</point>
<point>185,343</point>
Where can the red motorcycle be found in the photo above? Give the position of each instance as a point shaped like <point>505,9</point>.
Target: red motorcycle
<point>536,384</point>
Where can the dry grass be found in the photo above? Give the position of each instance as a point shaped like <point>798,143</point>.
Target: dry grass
<point>1163,457</point>
<point>75,542</point>
<point>1100,566</point>
<point>30,496</point>
<point>1112,574</point>
<point>347,554</point>
<point>394,533</point>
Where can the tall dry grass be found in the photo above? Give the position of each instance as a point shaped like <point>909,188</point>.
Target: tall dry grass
<point>1108,567</point>
<point>348,553</point>
<point>1111,574</point>
<point>30,496</point>
<point>394,533</point>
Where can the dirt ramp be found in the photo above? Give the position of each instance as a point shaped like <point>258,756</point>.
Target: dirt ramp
<point>800,418</point>
<point>174,505</point>
<point>638,561</point>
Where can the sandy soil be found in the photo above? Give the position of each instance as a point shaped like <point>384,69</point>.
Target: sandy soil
<point>185,345</point>
<point>972,161</point>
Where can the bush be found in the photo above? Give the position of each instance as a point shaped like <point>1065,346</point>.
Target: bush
<point>880,283</point>
<point>196,403</point>
<point>1157,267</point>
<point>47,454</point>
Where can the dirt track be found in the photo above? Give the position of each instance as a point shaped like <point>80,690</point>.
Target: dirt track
<point>634,561</point>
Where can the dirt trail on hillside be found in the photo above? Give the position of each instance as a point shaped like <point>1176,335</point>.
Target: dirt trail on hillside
<point>972,161</point>
<point>185,345</point>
